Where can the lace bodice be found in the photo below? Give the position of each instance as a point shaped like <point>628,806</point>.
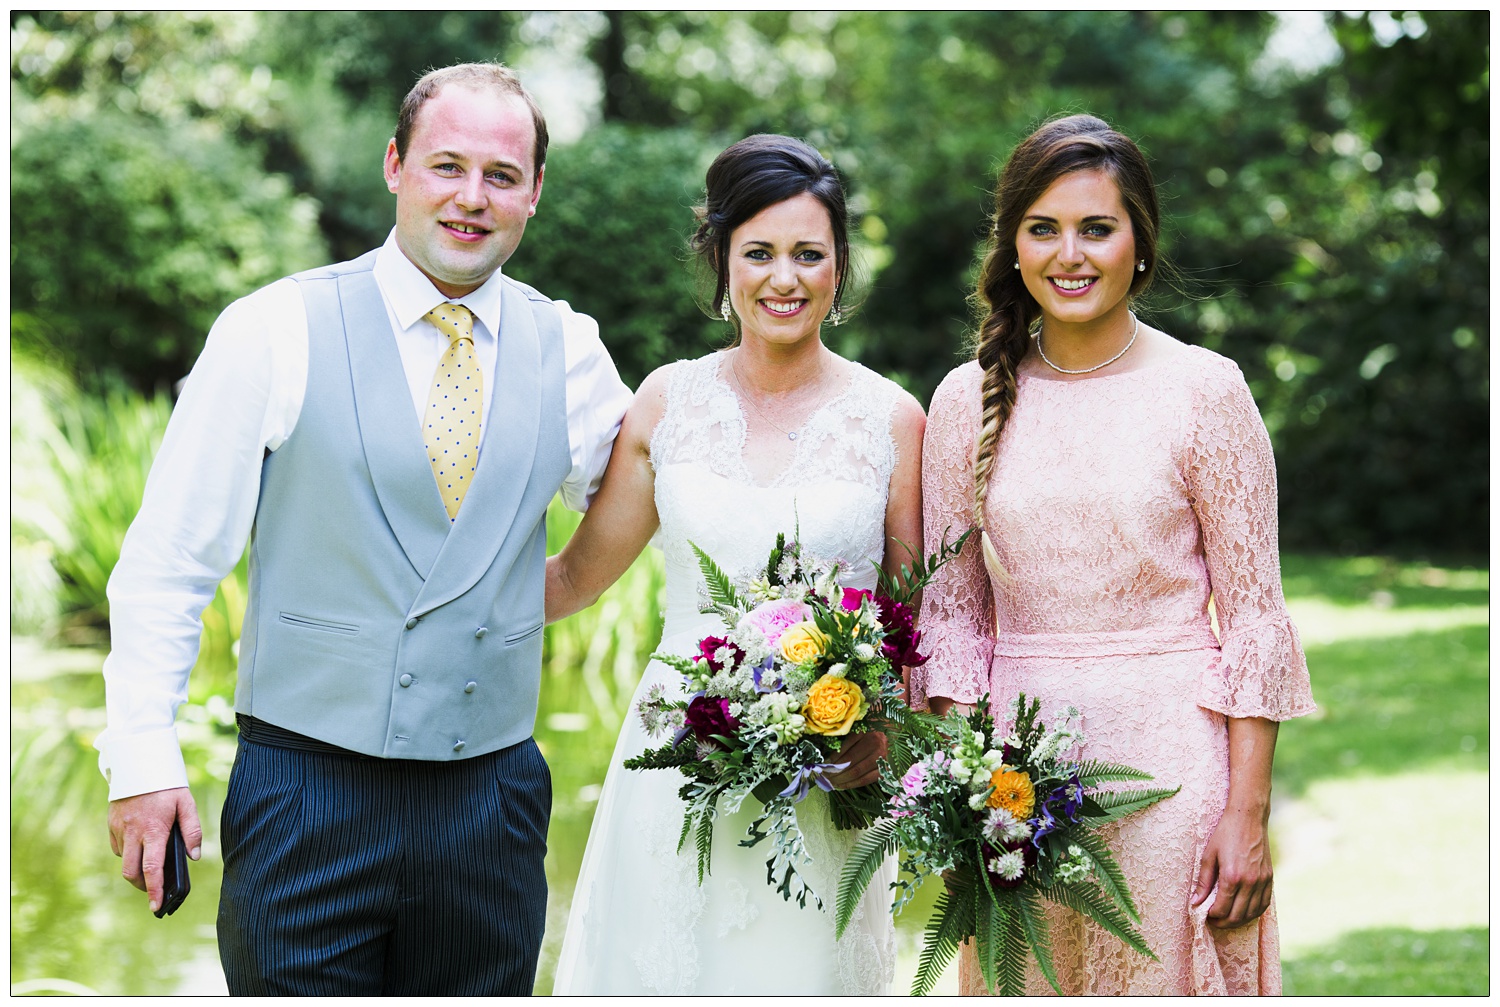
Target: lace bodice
<point>832,491</point>
<point>1117,504</point>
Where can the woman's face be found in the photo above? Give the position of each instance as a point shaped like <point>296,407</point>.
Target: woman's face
<point>782,271</point>
<point>1077,249</point>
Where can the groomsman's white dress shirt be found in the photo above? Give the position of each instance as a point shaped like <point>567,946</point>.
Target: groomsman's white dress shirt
<point>243,399</point>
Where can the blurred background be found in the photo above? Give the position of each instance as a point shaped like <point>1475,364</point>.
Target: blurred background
<point>1325,180</point>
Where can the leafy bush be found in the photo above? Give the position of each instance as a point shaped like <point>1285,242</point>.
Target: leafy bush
<point>165,224</point>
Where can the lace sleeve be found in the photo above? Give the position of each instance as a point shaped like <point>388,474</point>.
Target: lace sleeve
<point>958,608</point>
<point>1231,477</point>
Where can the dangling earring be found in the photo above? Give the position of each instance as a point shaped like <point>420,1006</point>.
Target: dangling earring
<point>836,316</point>
<point>1140,267</point>
<point>1018,263</point>
<point>724,309</point>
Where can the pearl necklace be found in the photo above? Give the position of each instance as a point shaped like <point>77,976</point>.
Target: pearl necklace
<point>1134,330</point>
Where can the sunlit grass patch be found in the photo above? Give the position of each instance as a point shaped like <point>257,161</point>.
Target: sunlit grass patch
<point>1391,705</point>
<point>1395,962</point>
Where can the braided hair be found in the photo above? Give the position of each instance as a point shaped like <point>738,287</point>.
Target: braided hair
<point>1058,147</point>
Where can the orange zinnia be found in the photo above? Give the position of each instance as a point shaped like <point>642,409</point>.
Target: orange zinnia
<point>1013,792</point>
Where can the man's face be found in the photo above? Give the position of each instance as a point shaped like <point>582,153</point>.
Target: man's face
<point>466,187</point>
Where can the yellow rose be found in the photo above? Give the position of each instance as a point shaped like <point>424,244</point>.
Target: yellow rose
<point>833,705</point>
<point>1013,792</point>
<point>802,642</point>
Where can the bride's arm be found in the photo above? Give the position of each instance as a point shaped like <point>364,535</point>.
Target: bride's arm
<point>903,509</point>
<point>622,516</point>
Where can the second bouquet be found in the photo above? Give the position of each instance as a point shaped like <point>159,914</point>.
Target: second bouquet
<point>766,708</point>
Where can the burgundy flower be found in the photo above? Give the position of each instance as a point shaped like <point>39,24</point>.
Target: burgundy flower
<point>709,715</point>
<point>902,637</point>
<point>710,645</point>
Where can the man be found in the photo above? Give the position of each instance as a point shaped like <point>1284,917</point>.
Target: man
<point>388,432</point>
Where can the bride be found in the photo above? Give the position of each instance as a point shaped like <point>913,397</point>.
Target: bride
<point>775,434</point>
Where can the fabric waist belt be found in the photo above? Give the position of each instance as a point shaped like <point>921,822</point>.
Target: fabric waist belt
<point>1154,640</point>
<point>263,733</point>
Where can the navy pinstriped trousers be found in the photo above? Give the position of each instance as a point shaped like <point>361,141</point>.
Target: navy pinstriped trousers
<point>348,875</point>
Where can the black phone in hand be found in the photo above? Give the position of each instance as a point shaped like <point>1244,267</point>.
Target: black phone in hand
<point>175,884</point>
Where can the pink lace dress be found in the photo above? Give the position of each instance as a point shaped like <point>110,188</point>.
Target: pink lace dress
<point>1117,506</point>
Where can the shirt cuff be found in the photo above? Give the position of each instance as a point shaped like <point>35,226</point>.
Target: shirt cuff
<point>142,763</point>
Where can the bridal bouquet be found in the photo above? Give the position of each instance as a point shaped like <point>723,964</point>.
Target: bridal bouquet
<point>1007,820</point>
<point>803,665</point>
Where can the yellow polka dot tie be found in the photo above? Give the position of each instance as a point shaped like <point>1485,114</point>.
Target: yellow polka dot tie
<point>455,406</point>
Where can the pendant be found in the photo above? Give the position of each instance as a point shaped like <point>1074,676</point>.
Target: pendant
<point>792,436</point>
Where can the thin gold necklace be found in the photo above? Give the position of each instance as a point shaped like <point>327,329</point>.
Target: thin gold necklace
<point>1134,330</point>
<point>744,395</point>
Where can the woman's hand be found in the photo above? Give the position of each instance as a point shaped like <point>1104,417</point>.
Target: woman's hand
<point>1238,860</point>
<point>1238,855</point>
<point>863,752</point>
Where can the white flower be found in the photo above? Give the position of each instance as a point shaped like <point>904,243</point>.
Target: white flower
<point>838,670</point>
<point>736,708</point>
<point>1009,865</point>
<point>992,760</point>
<point>864,652</point>
<point>976,801</point>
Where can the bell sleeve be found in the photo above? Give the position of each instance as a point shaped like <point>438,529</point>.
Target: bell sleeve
<point>957,619</point>
<point>1231,478</point>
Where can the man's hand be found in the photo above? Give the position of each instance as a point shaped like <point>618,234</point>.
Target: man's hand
<point>863,753</point>
<point>138,830</point>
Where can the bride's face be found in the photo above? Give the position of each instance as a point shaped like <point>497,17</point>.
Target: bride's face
<point>782,271</point>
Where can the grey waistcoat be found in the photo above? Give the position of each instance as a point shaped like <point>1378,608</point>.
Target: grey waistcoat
<point>372,623</point>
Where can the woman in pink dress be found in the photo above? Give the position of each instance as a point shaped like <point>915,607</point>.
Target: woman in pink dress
<point>1121,478</point>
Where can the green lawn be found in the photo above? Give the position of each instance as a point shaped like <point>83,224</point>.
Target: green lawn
<point>1395,963</point>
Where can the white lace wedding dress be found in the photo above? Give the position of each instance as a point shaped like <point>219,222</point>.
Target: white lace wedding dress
<point>640,923</point>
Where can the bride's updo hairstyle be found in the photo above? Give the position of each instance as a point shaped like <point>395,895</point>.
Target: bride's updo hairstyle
<point>1073,143</point>
<point>761,171</point>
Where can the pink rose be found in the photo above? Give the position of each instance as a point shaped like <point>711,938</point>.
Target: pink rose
<point>774,617</point>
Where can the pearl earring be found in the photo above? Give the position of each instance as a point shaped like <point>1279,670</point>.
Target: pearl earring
<point>1140,267</point>
<point>1018,263</point>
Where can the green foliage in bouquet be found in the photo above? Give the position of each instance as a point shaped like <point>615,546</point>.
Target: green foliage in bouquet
<point>1007,822</point>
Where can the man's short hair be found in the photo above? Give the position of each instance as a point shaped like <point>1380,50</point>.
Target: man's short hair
<point>473,75</point>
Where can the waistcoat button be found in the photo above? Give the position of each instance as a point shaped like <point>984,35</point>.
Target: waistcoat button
<point>470,687</point>
<point>405,681</point>
<point>479,633</point>
<point>411,623</point>
<point>458,746</point>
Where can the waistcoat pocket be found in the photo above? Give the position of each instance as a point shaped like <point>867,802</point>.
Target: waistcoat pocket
<point>322,625</point>
<point>523,634</point>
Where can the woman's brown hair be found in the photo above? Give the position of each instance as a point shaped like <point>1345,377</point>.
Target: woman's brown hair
<point>1061,146</point>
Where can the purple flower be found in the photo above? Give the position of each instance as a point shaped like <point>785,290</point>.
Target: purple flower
<point>765,682</point>
<point>709,715</point>
<point>1069,796</point>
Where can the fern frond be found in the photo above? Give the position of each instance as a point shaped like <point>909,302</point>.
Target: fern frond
<point>943,934</point>
<point>705,838</point>
<point>869,852</point>
<point>1010,964</point>
<point>1034,922</point>
<point>1088,900</point>
<point>1119,803</point>
<point>720,587</point>
<point>1107,870</point>
<point>1095,771</point>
